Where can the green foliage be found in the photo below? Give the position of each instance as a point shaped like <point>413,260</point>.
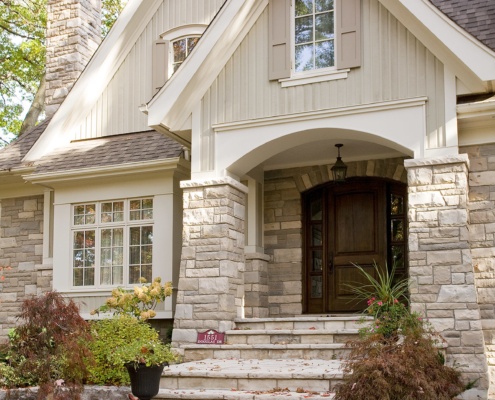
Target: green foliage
<point>385,287</point>
<point>49,347</point>
<point>110,10</point>
<point>396,356</point>
<point>22,55</point>
<point>120,340</point>
<point>139,302</point>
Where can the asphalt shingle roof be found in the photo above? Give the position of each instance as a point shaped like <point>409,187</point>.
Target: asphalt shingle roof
<point>110,150</point>
<point>11,156</point>
<point>477,17</point>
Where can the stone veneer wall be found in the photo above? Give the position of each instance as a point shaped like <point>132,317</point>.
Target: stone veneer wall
<point>21,248</point>
<point>441,267</point>
<point>481,208</point>
<point>283,224</point>
<point>73,34</point>
<point>211,281</point>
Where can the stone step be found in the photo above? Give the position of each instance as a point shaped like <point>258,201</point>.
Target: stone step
<point>203,394</point>
<point>290,336</point>
<point>327,351</point>
<point>335,322</point>
<point>253,375</point>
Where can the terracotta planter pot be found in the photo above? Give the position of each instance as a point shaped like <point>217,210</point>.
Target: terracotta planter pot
<point>145,381</point>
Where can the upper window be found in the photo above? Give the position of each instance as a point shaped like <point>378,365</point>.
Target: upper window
<point>314,35</point>
<point>313,40</point>
<point>112,242</point>
<point>181,49</point>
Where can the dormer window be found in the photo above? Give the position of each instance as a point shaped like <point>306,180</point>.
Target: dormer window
<point>181,49</point>
<point>171,50</point>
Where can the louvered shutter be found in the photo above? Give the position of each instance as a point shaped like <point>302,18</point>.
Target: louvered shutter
<point>348,33</point>
<point>160,64</point>
<point>279,32</point>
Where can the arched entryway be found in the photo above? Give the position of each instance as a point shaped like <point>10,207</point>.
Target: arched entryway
<point>361,221</point>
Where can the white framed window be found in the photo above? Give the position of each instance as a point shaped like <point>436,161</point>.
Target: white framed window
<point>313,40</point>
<point>171,50</point>
<point>180,50</point>
<point>313,35</point>
<point>112,242</point>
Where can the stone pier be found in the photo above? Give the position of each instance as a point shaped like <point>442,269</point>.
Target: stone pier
<point>211,281</point>
<point>441,267</point>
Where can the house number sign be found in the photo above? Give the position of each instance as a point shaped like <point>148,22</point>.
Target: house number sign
<point>210,337</point>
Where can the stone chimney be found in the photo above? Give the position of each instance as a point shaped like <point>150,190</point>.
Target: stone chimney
<point>73,34</point>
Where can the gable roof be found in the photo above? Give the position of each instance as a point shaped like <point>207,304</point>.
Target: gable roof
<point>467,58</point>
<point>476,17</point>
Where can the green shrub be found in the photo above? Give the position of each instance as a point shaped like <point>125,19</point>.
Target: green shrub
<point>49,347</point>
<point>396,356</point>
<point>120,340</point>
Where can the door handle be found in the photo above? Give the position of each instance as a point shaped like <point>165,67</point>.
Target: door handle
<point>330,263</point>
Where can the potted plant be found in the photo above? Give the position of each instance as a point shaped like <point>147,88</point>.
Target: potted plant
<point>144,356</point>
<point>127,340</point>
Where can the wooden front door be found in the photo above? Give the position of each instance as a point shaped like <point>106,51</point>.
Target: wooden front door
<point>345,224</point>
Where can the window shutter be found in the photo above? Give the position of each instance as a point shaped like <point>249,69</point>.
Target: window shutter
<point>279,32</point>
<point>348,33</point>
<point>160,64</point>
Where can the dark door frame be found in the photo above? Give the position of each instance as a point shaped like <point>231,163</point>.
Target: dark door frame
<point>393,233</point>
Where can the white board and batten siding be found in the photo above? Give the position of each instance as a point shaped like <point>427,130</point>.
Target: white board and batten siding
<point>394,66</point>
<point>117,109</point>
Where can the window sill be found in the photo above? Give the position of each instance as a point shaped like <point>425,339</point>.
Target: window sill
<point>314,78</point>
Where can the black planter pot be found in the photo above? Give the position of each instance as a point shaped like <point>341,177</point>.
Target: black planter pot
<point>145,381</point>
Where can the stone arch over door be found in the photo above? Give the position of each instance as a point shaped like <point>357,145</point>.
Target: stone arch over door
<point>283,226</point>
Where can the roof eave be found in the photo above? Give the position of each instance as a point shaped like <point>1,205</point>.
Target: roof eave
<point>176,163</point>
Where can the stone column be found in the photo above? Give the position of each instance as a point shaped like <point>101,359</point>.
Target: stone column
<point>441,268</point>
<point>72,36</point>
<point>256,285</point>
<point>211,280</point>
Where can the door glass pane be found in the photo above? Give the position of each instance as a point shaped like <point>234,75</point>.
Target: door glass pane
<point>316,287</point>
<point>316,233</point>
<point>397,230</point>
<point>396,204</point>
<point>317,260</point>
<point>316,211</point>
<point>398,257</point>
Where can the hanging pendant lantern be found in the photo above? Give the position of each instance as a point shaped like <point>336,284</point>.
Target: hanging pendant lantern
<point>339,169</point>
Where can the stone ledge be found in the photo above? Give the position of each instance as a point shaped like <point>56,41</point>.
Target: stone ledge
<point>424,162</point>
<point>218,181</point>
<point>90,393</point>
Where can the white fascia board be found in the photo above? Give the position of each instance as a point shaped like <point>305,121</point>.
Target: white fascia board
<point>173,104</point>
<point>106,171</point>
<point>477,109</point>
<point>96,76</point>
<point>470,60</point>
